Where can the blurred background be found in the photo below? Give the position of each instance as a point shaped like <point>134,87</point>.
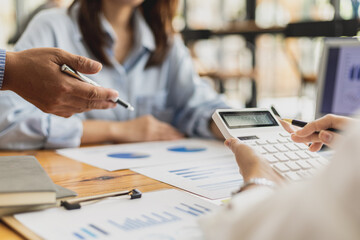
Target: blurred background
<point>256,52</point>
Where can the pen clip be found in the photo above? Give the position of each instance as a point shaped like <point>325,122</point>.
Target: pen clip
<point>75,203</point>
<point>66,69</point>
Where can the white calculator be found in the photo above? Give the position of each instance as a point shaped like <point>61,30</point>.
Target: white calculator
<point>260,129</point>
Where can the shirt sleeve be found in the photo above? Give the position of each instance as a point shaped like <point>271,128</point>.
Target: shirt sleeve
<point>24,126</point>
<point>193,99</point>
<point>325,207</point>
<point>2,66</point>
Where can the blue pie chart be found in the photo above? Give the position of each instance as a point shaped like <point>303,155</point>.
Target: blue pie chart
<point>186,149</point>
<point>128,155</point>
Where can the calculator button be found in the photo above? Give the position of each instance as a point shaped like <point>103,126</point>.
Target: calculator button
<point>292,156</point>
<point>281,157</point>
<point>291,146</point>
<point>303,174</point>
<point>292,176</point>
<point>301,146</point>
<point>323,161</point>
<point>312,171</point>
<point>312,154</point>
<point>303,164</point>
<point>302,155</point>
<point>272,141</point>
<point>284,134</point>
<point>282,140</point>
<point>293,166</point>
<point>290,140</point>
<point>300,173</point>
<point>251,143</point>
<point>314,163</point>
<point>281,167</point>
<point>270,149</point>
<point>260,142</point>
<point>281,148</point>
<point>260,150</point>
<point>271,159</point>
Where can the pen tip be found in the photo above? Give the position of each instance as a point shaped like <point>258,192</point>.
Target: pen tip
<point>131,108</point>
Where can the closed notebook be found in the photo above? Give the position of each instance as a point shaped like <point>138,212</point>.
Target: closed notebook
<point>24,182</point>
<point>61,194</point>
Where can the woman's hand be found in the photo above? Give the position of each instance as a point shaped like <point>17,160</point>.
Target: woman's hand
<point>144,129</point>
<point>316,133</point>
<point>288,127</point>
<point>252,164</point>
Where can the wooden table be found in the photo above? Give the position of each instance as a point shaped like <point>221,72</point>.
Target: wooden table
<point>84,179</point>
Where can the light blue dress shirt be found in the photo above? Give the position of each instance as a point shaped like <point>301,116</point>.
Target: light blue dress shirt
<point>171,92</point>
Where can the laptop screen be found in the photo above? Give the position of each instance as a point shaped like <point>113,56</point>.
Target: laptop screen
<point>340,87</point>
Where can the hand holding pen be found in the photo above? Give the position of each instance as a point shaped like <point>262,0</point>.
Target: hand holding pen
<point>66,69</point>
<point>324,130</point>
<point>299,123</point>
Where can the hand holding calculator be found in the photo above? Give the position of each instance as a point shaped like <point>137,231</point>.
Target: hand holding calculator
<point>260,129</point>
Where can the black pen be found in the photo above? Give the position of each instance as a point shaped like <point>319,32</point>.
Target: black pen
<point>66,69</point>
<point>302,124</point>
<point>273,109</point>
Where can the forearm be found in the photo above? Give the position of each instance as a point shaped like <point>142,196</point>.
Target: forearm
<point>145,128</point>
<point>97,131</point>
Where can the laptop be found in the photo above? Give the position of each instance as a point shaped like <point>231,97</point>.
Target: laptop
<point>339,77</point>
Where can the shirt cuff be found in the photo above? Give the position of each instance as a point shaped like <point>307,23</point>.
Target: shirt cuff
<point>203,127</point>
<point>2,66</point>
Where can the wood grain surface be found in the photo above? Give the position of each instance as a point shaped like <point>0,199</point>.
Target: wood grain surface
<point>84,179</point>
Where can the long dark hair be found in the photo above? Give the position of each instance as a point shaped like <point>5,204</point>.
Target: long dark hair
<point>157,13</point>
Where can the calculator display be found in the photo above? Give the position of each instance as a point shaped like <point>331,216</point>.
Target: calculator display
<point>235,120</point>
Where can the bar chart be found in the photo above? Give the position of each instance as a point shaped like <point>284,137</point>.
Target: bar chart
<point>204,172</point>
<point>213,178</point>
<point>90,231</point>
<point>150,220</point>
<point>167,214</point>
<point>153,219</point>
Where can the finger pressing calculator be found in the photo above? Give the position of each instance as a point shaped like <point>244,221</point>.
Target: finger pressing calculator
<point>260,129</point>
